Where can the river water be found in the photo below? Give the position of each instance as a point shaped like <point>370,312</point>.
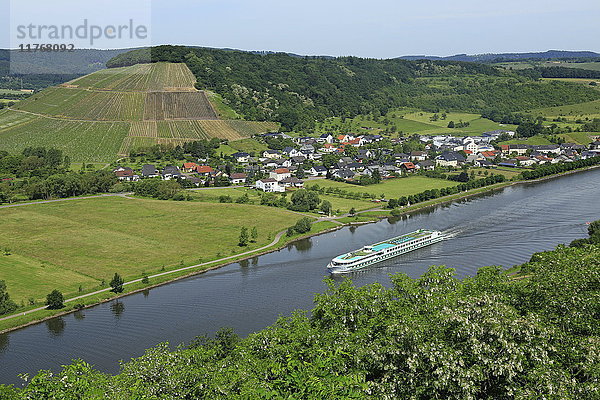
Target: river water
<point>503,228</point>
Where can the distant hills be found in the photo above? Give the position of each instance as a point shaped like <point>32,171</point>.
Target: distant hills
<point>503,57</point>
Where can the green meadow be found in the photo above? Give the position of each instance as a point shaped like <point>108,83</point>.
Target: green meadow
<point>65,245</point>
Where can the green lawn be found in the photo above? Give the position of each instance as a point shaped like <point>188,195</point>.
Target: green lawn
<point>27,278</point>
<point>392,188</point>
<point>579,137</point>
<point>410,121</point>
<point>66,244</point>
<point>589,109</point>
<point>248,146</point>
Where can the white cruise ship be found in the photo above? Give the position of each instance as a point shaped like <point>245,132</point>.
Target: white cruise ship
<point>378,252</point>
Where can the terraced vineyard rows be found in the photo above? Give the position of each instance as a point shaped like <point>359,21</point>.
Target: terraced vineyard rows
<point>86,105</point>
<point>110,112</point>
<point>82,141</point>
<point>9,119</point>
<point>169,76</point>
<point>133,78</point>
<point>144,129</point>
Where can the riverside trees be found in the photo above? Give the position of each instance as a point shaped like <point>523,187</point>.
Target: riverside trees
<point>488,336</point>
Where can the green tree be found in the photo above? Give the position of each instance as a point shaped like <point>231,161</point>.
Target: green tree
<point>304,200</point>
<point>352,212</point>
<point>304,225</point>
<point>6,304</point>
<point>243,237</point>
<point>451,124</point>
<point>55,300</point>
<point>117,283</point>
<point>254,234</point>
<point>325,207</point>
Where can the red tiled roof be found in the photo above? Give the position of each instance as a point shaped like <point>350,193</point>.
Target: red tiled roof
<point>408,165</point>
<point>468,151</point>
<point>189,165</point>
<point>123,174</point>
<point>505,147</point>
<point>488,154</point>
<point>204,169</point>
<point>282,171</point>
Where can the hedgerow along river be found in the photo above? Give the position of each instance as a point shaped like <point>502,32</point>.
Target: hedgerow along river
<point>504,228</point>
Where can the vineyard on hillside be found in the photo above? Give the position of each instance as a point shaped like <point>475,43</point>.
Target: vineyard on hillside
<point>82,141</point>
<point>110,112</point>
<point>83,104</point>
<point>177,105</point>
<point>140,78</point>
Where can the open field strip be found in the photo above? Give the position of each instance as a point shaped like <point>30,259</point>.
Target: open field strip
<point>392,188</point>
<point>590,109</point>
<point>97,237</point>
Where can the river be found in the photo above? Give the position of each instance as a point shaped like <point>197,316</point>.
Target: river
<point>502,228</point>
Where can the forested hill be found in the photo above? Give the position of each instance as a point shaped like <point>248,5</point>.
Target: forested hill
<point>296,91</point>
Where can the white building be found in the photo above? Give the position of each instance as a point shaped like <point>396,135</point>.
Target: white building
<point>269,186</point>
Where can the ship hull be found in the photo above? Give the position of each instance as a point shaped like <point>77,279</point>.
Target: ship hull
<point>379,257</point>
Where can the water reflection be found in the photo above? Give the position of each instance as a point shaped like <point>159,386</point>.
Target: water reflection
<point>117,309</point>
<point>56,326</point>
<point>4,341</point>
<point>79,315</point>
<point>301,245</point>
<point>146,292</point>
<point>244,264</point>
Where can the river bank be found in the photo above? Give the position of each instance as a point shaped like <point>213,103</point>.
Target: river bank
<point>502,229</point>
<point>323,226</point>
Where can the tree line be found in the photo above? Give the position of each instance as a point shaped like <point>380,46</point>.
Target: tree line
<point>551,169</point>
<point>437,193</point>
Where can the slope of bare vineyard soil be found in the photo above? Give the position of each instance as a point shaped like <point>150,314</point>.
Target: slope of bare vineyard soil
<point>117,110</point>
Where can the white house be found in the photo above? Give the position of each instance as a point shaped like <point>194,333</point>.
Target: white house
<point>241,157</point>
<point>280,174</point>
<point>325,138</point>
<point>418,156</point>
<point>269,186</point>
<point>271,154</point>
<point>318,171</point>
<point>238,178</point>
<point>470,145</point>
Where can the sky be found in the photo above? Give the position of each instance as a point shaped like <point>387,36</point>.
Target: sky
<point>375,28</point>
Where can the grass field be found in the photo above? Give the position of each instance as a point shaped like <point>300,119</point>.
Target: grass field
<point>392,188</point>
<point>410,121</point>
<point>579,137</point>
<point>82,242</point>
<point>590,109</point>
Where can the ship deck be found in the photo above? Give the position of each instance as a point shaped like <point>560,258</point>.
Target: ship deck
<point>358,254</point>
